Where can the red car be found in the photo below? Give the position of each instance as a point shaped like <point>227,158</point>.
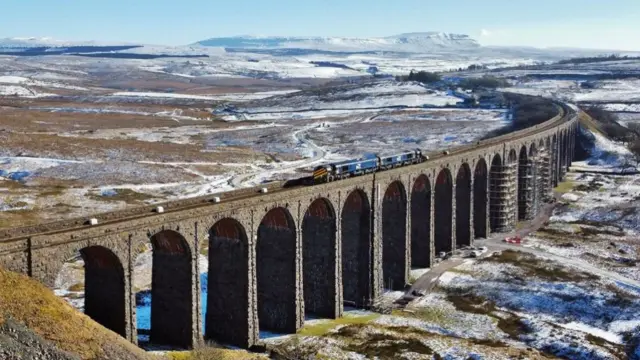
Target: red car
<point>514,240</point>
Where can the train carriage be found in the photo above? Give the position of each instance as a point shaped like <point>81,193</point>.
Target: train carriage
<point>367,164</point>
<point>400,159</point>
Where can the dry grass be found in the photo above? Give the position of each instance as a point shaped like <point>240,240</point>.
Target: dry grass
<point>433,315</point>
<point>53,191</point>
<point>76,287</point>
<point>49,145</point>
<point>16,218</point>
<point>211,353</point>
<point>209,170</point>
<point>30,303</point>
<point>508,322</point>
<point>590,123</point>
<point>540,268</point>
<point>392,342</point>
<point>326,326</point>
<point>127,195</point>
<point>19,118</point>
<point>11,185</point>
<point>564,187</point>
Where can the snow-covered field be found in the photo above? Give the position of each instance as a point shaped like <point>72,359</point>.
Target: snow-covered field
<point>19,80</point>
<point>428,130</point>
<point>551,308</point>
<point>340,101</point>
<point>221,97</point>
<point>111,167</point>
<point>510,305</point>
<point>612,91</point>
<point>599,221</point>
<point>613,95</point>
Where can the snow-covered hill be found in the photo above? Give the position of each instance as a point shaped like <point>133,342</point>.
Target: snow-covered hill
<point>49,46</point>
<point>410,42</point>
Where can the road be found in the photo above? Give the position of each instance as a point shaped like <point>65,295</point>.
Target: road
<point>299,136</point>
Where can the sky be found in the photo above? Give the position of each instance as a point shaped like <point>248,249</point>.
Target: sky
<point>600,24</point>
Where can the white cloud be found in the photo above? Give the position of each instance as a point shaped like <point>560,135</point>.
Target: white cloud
<point>485,33</point>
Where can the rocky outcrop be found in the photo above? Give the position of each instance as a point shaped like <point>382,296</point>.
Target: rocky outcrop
<point>37,325</point>
<point>17,342</point>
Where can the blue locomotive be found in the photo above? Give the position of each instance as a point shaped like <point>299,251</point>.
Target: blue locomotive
<point>369,163</point>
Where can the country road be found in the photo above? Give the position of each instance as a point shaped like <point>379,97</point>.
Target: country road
<point>299,136</point>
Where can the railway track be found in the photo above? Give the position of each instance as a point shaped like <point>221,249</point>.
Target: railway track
<point>565,113</point>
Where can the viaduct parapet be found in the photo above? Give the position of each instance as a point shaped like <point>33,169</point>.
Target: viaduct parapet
<point>277,256</point>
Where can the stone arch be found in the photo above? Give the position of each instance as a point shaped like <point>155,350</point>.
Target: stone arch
<point>569,148</point>
<point>513,156</point>
<point>443,212</point>
<point>548,166</point>
<point>525,188</point>
<point>394,236</point>
<point>319,259</point>
<point>480,183</point>
<point>565,152</point>
<point>497,196</point>
<point>561,153</point>
<point>421,223</point>
<point>463,206</point>
<point>572,143</point>
<point>276,269</point>
<point>355,225</point>
<point>535,178</point>
<point>104,290</point>
<point>171,290</point>
<point>228,316</point>
<point>554,161</point>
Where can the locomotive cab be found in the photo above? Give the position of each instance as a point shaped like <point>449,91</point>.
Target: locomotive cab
<point>322,174</point>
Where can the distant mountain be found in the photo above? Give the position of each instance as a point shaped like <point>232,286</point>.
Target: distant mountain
<point>410,42</point>
<point>124,50</point>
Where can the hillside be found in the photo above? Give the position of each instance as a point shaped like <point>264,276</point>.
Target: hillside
<point>35,324</point>
<point>410,42</point>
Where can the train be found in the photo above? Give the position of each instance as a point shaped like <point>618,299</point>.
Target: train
<point>371,163</point>
<point>368,163</point>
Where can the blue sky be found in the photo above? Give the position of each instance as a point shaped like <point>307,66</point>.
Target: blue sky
<point>604,24</point>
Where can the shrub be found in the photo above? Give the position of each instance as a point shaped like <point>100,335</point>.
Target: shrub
<point>487,81</point>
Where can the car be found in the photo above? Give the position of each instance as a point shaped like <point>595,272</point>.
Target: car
<point>513,239</point>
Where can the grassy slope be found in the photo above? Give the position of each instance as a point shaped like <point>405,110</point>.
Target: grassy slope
<point>30,303</point>
<point>590,123</point>
<point>214,354</point>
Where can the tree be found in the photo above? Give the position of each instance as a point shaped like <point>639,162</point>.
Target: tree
<point>487,81</point>
<point>424,77</point>
<point>609,124</point>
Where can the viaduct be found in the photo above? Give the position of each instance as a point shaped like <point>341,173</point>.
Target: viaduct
<point>275,257</point>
